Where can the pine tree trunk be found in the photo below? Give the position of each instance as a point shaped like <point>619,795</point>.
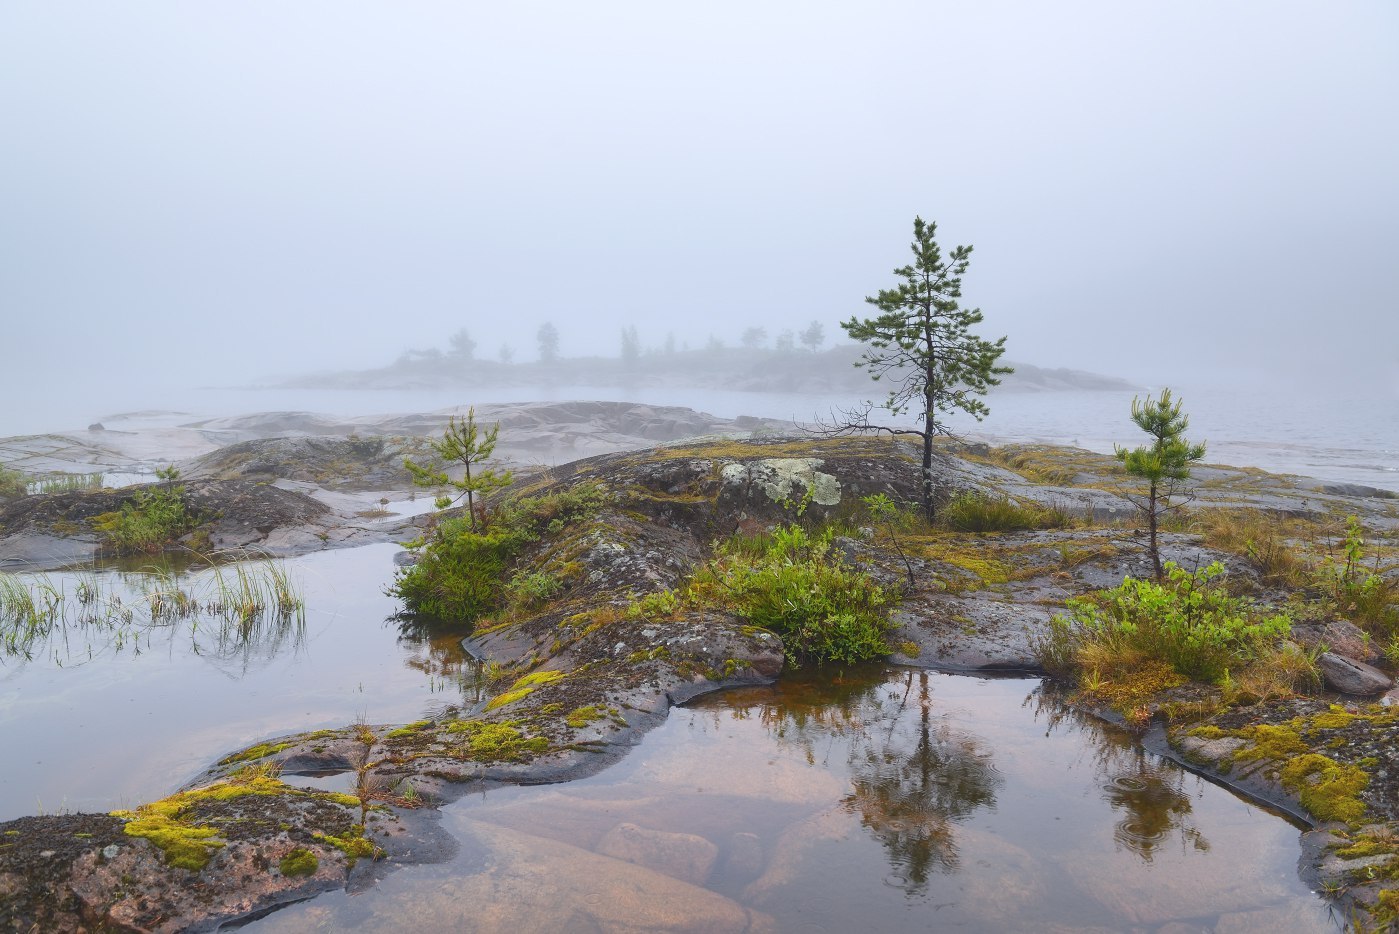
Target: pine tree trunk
<point>928,425</point>
<point>470,497</point>
<point>1151,526</point>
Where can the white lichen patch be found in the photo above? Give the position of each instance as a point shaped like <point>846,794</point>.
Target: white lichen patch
<point>789,479</point>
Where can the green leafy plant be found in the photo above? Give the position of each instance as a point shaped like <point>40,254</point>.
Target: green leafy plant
<point>533,589</point>
<point>463,573</point>
<point>1189,621</point>
<point>1361,593</point>
<point>152,519</point>
<point>894,518</point>
<point>798,586</point>
<point>13,484</point>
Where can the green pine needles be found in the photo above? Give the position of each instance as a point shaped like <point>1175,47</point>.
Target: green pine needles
<point>1163,463</point>
<point>465,443</point>
<point>921,343</point>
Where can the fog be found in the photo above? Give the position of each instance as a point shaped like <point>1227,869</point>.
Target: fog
<point>233,193</point>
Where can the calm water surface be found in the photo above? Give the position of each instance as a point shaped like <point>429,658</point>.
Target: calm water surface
<point>891,800</point>
<point>98,718</point>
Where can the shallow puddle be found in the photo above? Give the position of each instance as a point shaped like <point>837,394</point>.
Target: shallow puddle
<point>108,714</point>
<point>889,801</point>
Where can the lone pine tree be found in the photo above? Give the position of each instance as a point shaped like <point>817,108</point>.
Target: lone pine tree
<point>921,343</point>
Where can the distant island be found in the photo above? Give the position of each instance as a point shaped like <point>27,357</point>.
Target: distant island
<point>729,368</point>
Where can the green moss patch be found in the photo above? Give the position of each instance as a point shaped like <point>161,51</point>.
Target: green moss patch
<point>1326,788</point>
<point>352,843</point>
<point>524,687</point>
<point>172,826</point>
<point>252,753</point>
<point>496,742</point>
<point>299,862</point>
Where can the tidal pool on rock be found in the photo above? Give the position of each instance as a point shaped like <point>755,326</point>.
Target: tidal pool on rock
<point>885,800</point>
<point>101,717</point>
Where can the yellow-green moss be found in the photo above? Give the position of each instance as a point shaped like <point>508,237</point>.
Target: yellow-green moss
<point>524,687</point>
<point>260,751</point>
<point>352,843</point>
<point>1335,718</point>
<point>168,824</point>
<point>496,742</point>
<point>1127,690</point>
<point>1364,846</point>
<point>1388,906</point>
<point>1326,788</point>
<point>1271,742</point>
<point>1208,732</point>
<point>186,844</point>
<point>580,717</point>
<point>408,729</point>
<point>299,862</point>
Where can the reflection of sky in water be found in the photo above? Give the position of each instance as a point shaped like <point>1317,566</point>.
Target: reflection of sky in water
<point>888,800</point>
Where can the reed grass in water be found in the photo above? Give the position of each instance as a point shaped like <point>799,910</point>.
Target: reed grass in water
<point>253,606</point>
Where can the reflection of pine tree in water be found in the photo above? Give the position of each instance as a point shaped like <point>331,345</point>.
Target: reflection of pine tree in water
<point>1150,798</point>
<point>1152,802</point>
<point>909,798</point>
<point>437,652</point>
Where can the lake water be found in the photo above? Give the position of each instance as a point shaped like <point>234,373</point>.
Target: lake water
<point>1314,432</point>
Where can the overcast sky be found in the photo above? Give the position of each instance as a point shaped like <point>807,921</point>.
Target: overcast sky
<point>236,190</point>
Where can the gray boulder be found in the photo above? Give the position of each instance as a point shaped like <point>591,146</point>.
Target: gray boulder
<point>1339,636</point>
<point>1348,676</point>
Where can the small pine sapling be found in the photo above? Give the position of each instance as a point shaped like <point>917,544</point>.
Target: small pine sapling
<point>1163,463</point>
<point>466,443</point>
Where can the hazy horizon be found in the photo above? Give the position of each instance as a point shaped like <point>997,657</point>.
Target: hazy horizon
<point>230,194</point>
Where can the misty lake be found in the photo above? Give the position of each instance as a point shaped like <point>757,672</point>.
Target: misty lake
<point>885,799</point>
<point>1341,438</point>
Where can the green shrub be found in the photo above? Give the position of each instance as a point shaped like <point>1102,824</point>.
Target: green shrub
<point>972,511</point>
<point>794,584</point>
<point>464,574</point>
<point>532,590</point>
<point>1362,594</point>
<point>152,519</point>
<point>1188,621</point>
<point>13,484</point>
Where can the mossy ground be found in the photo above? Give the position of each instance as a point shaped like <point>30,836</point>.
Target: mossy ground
<point>189,827</point>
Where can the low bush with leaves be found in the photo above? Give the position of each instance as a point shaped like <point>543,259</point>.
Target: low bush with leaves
<point>463,574</point>
<point>152,519</point>
<point>1360,592</point>
<point>794,583</point>
<point>1189,621</point>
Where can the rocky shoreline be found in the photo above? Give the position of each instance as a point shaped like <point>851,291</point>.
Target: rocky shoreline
<point>581,676</point>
